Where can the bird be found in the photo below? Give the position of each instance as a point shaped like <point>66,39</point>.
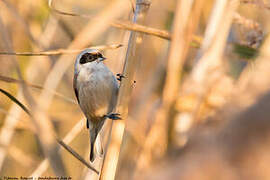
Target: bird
<point>96,89</point>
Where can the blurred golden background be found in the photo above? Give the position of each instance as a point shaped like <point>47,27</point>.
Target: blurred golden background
<point>199,107</point>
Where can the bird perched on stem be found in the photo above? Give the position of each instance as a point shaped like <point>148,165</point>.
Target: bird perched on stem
<point>96,89</point>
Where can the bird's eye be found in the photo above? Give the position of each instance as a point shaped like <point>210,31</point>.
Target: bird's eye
<point>93,57</point>
<point>90,57</point>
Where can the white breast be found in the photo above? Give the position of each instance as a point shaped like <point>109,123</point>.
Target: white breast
<point>97,89</point>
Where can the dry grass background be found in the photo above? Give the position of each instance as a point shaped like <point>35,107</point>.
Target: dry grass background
<point>199,108</point>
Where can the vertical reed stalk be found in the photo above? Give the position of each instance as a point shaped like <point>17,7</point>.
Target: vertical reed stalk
<point>131,61</point>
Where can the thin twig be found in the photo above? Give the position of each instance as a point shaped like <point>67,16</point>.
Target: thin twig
<point>43,166</point>
<point>64,145</point>
<point>12,80</point>
<point>76,155</point>
<point>15,100</point>
<point>123,25</point>
<point>61,51</point>
<point>141,28</point>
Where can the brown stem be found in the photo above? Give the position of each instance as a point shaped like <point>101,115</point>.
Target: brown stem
<point>131,61</point>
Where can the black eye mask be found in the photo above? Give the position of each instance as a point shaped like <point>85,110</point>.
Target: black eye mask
<point>89,57</point>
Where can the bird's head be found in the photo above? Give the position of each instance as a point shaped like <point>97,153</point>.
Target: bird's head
<point>88,56</point>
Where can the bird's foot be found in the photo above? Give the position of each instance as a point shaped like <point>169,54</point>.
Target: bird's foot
<point>120,76</point>
<point>113,116</point>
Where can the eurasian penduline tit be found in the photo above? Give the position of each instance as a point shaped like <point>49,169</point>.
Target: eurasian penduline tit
<point>96,89</point>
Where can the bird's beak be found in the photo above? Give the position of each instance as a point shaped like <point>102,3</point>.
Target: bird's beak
<point>102,59</point>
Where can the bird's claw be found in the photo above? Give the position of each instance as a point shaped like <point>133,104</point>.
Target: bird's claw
<point>120,76</point>
<point>113,116</point>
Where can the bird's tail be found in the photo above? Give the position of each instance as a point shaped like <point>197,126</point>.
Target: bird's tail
<point>95,145</point>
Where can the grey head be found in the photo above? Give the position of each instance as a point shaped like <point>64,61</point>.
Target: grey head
<point>88,56</point>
